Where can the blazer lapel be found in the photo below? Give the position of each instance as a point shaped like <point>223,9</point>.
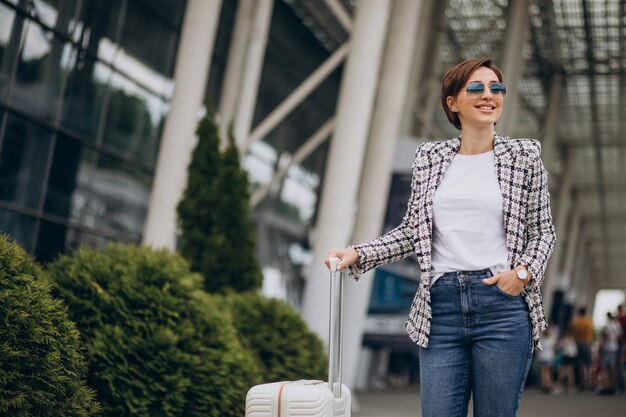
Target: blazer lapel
<point>440,160</point>
<point>504,161</point>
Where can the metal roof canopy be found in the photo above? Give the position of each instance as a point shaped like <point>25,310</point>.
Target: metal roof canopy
<point>585,40</point>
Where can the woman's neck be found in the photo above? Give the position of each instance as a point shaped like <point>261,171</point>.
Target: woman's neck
<point>475,141</point>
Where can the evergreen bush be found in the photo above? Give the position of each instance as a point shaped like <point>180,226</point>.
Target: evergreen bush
<point>42,369</point>
<point>158,345</point>
<point>214,214</point>
<point>282,343</point>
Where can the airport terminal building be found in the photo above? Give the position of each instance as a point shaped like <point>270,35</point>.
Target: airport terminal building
<point>328,100</point>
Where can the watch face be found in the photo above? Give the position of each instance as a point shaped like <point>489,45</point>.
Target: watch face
<point>522,273</point>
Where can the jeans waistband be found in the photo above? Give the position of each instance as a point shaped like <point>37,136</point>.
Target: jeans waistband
<point>467,275</point>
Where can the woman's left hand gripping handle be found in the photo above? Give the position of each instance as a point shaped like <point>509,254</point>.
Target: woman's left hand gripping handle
<point>345,257</point>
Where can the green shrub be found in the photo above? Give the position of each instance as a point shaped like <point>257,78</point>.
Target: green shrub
<point>282,343</point>
<point>214,214</point>
<point>42,371</point>
<point>158,345</point>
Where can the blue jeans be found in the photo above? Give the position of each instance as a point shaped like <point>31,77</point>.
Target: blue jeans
<point>480,345</point>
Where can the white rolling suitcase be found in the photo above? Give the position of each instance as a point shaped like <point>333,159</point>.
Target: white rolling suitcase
<point>309,398</point>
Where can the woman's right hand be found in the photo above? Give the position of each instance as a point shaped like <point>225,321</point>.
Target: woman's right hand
<point>347,257</point>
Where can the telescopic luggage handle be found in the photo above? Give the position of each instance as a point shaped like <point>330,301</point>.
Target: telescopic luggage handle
<point>335,328</point>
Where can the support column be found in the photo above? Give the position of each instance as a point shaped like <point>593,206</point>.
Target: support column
<point>378,167</point>
<point>563,207</point>
<point>578,278</point>
<point>550,123</point>
<point>571,244</point>
<point>251,76</point>
<point>518,22</point>
<point>425,67</point>
<point>234,67</point>
<point>190,78</point>
<point>345,159</point>
<point>592,285</point>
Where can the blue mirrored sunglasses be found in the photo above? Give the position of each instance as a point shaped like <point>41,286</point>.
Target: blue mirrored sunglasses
<point>477,88</point>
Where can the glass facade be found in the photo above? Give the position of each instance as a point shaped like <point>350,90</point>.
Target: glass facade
<point>84,92</point>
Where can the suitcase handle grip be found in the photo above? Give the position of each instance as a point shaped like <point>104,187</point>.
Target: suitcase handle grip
<point>335,328</point>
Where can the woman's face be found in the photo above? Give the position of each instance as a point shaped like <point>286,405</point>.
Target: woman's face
<point>478,109</point>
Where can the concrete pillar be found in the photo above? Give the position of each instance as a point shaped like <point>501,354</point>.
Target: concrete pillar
<point>234,67</point>
<point>563,207</point>
<point>592,286</point>
<point>345,159</point>
<point>190,77</point>
<point>571,244</point>
<point>365,370</point>
<point>426,67</point>
<point>578,279</point>
<point>378,166</point>
<point>518,22</point>
<point>340,13</point>
<point>249,87</point>
<point>585,277</point>
<point>550,123</point>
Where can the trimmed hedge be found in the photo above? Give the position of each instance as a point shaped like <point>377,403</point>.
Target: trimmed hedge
<point>284,346</point>
<point>42,370</point>
<point>157,343</point>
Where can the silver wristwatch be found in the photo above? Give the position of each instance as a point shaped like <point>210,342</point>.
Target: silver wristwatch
<point>522,273</point>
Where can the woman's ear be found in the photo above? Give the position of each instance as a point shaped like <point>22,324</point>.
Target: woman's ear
<point>451,104</point>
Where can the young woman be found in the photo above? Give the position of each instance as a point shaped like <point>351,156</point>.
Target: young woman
<point>479,221</point>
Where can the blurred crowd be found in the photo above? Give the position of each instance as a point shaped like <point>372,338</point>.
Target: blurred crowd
<point>577,357</point>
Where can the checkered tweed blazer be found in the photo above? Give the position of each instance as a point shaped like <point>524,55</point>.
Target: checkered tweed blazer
<point>530,236</point>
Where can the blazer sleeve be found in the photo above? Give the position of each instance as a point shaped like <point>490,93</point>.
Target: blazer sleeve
<point>397,243</point>
<point>540,234</point>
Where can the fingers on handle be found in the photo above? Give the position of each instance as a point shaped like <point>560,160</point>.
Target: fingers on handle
<point>346,257</point>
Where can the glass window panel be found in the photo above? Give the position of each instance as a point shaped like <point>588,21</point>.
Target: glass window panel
<point>40,68</point>
<point>57,14</point>
<point>154,51</point>
<point>9,43</point>
<point>116,200</point>
<point>50,241</point>
<point>56,239</point>
<point>23,162</point>
<point>72,166</point>
<point>171,11</point>
<point>134,120</point>
<point>96,29</point>
<point>84,95</point>
<point>19,226</point>
<point>76,239</point>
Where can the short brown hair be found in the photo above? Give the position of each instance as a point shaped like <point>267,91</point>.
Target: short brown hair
<point>455,79</point>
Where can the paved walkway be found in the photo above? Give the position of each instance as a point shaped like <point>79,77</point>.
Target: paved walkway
<point>405,403</point>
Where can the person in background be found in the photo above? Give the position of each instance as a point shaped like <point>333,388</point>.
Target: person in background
<point>598,379</point>
<point>546,356</point>
<point>610,352</point>
<point>621,361</point>
<point>568,354</point>
<point>582,328</point>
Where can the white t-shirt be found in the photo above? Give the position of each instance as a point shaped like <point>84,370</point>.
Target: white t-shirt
<point>468,218</point>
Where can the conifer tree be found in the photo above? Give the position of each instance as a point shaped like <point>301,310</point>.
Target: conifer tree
<point>214,214</point>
